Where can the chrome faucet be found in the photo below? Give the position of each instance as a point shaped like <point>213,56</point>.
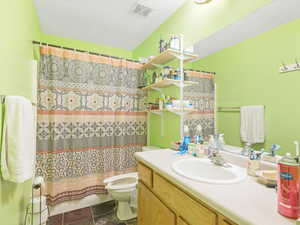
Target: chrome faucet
<point>219,139</point>
<point>246,149</point>
<point>217,159</point>
<point>214,151</point>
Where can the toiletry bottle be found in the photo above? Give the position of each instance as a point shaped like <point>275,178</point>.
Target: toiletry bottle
<point>186,140</point>
<point>161,45</point>
<point>253,163</point>
<point>288,185</point>
<point>198,135</point>
<point>176,41</point>
<point>154,75</point>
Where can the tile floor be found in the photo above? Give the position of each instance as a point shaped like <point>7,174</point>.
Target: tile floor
<point>104,214</point>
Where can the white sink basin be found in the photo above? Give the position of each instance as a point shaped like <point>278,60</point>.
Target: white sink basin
<point>204,170</point>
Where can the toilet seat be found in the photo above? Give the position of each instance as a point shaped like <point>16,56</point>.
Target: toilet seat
<point>124,182</point>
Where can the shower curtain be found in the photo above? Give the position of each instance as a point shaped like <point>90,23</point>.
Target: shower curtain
<point>202,96</point>
<point>91,120</point>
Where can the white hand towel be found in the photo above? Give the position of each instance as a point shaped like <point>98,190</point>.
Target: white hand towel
<point>253,124</point>
<point>17,147</point>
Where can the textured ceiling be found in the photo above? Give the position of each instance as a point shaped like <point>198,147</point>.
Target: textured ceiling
<point>111,22</point>
<point>105,22</point>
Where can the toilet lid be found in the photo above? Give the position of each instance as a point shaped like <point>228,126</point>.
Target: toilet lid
<point>124,181</point>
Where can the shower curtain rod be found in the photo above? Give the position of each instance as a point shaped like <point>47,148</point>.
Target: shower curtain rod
<point>99,54</point>
<point>83,51</point>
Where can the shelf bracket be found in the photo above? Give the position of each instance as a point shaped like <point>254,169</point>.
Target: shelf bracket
<point>157,89</point>
<point>156,65</point>
<point>157,113</point>
<point>176,55</point>
<point>180,112</point>
<point>178,85</point>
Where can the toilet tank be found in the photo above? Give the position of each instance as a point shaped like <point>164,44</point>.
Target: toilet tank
<point>150,148</point>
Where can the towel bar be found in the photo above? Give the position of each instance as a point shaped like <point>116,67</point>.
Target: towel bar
<point>2,100</point>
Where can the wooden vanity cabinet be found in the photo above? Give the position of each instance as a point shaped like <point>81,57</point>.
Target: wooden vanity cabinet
<point>163,203</point>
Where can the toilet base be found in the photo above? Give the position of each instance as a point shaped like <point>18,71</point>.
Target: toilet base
<point>125,212</point>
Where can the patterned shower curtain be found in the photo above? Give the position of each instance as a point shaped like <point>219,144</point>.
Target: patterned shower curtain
<point>91,120</point>
<point>202,96</point>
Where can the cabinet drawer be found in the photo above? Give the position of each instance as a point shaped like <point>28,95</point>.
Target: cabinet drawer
<point>145,174</point>
<point>193,212</point>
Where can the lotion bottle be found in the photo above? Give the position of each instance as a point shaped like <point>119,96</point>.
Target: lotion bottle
<point>253,163</point>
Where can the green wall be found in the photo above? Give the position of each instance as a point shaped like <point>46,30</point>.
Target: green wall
<point>82,45</point>
<point>19,26</point>
<point>195,22</point>
<point>247,74</point>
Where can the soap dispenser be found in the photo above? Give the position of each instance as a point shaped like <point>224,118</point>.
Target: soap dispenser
<point>198,136</point>
<point>186,140</point>
<point>253,162</point>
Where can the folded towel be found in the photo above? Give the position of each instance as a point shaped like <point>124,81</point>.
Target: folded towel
<point>17,147</point>
<point>253,124</point>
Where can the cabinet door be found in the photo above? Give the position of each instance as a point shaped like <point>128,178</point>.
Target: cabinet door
<point>190,210</point>
<point>151,210</point>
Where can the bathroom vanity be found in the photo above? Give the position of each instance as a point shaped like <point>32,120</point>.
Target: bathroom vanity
<point>162,203</point>
<point>166,198</point>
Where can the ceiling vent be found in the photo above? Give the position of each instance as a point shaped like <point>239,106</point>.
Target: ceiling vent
<point>141,10</point>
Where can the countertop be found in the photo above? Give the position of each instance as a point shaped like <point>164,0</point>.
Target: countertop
<point>246,203</point>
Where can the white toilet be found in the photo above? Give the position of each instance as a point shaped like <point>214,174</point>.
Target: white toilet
<point>123,188</point>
